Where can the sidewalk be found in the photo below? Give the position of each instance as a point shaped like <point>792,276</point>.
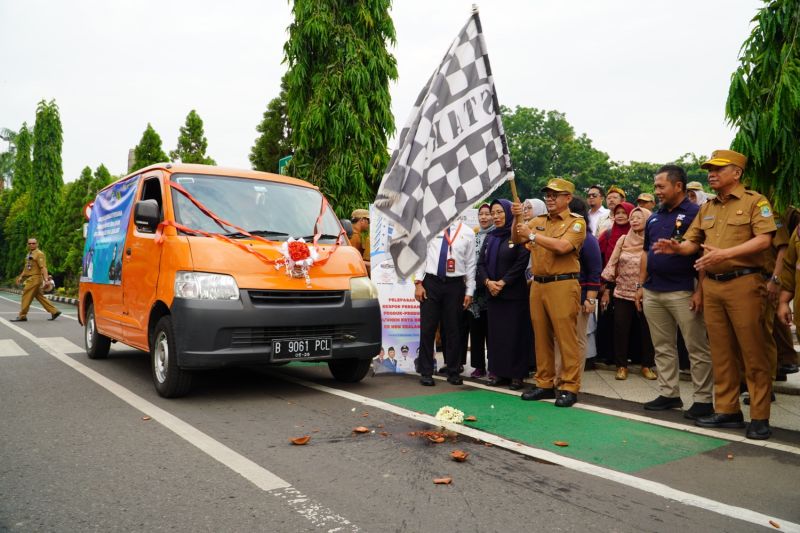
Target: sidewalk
<point>785,412</point>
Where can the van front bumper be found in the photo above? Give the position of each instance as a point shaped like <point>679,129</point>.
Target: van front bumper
<point>216,333</point>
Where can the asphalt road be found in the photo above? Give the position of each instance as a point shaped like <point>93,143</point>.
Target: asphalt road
<point>89,446</point>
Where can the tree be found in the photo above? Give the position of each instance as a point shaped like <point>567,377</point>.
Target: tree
<point>7,157</point>
<point>16,230</point>
<point>23,166</point>
<point>274,142</point>
<point>45,186</point>
<point>764,102</point>
<point>192,143</point>
<point>337,95</point>
<point>148,151</point>
<point>543,145</point>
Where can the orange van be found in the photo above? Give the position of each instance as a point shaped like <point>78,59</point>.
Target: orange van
<point>205,267</point>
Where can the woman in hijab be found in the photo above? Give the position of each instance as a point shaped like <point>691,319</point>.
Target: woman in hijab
<point>533,207</point>
<point>608,239</point>
<point>623,270</point>
<point>604,335</point>
<point>478,321</point>
<point>501,269</point>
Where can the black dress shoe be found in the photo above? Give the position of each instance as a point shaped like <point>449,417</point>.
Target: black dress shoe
<point>427,381</point>
<point>721,420</point>
<point>495,381</point>
<point>55,315</point>
<point>566,398</point>
<point>662,403</point>
<point>455,379</point>
<point>758,430</point>
<point>516,384</point>
<point>538,393</point>
<point>443,371</point>
<point>746,399</point>
<point>18,319</point>
<point>788,369</point>
<point>699,410</point>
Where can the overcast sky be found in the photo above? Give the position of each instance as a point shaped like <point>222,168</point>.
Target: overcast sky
<point>646,81</point>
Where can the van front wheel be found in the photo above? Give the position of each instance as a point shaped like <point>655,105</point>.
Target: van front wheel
<point>349,370</point>
<point>169,380</point>
<point>97,344</point>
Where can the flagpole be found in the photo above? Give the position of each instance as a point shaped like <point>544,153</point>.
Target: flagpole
<point>496,103</point>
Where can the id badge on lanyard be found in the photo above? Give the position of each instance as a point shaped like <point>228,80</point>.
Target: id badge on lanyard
<point>451,262</point>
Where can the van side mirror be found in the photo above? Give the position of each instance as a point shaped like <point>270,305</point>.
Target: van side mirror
<point>146,216</point>
<point>348,227</point>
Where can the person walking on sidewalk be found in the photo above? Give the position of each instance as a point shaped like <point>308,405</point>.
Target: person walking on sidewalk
<point>671,299</point>
<point>733,230</point>
<point>555,294</point>
<point>33,275</point>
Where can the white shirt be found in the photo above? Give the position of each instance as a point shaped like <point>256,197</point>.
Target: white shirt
<point>462,249</point>
<point>595,217</point>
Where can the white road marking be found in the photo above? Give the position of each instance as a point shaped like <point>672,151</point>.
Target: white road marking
<point>9,348</point>
<point>734,437</point>
<point>317,514</point>
<point>652,487</point>
<point>60,344</point>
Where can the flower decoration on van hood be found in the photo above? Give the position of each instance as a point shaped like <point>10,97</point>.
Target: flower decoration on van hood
<point>298,257</point>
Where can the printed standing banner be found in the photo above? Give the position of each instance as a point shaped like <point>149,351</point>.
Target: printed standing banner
<point>105,239</point>
<point>399,309</point>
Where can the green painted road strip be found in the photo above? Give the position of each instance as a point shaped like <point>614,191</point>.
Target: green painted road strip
<point>623,445</point>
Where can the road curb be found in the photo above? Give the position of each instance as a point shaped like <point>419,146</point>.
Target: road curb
<point>59,299</point>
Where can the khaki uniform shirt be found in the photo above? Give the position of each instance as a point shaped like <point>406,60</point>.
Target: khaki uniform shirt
<point>566,226</point>
<point>781,238</point>
<point>738,219</point>
<point>358,242</point>
<point>35,263</point>
<point>790,277</point>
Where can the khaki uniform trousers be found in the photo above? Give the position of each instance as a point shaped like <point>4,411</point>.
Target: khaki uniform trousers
<point>583,324</point>
<point>665,312</point>
<point>783,338</point>
<point>734,314</point>
<point>33,289</point>
<point>770,309</point>
<point>554,314</point>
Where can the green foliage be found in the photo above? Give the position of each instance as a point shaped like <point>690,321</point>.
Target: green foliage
<point>275,139</point>
<point>764,102</point>
<point>23,166</point>
<point>337,95</point>
<point>7,157</point>
<point>148,151</point>
<point>16,229</point>
<point>192,143</point>
<point>47,169</point>
<point>543,145</point>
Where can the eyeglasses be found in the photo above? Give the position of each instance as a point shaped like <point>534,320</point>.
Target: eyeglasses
<point>592,195</point>
<point>31,243</point>
<point>526,207</point>
<point>554,195</point>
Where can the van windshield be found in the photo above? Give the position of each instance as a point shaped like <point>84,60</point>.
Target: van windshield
<point>272,210</point>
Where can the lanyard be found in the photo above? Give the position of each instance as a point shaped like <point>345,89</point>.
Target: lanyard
<point>449,240</point>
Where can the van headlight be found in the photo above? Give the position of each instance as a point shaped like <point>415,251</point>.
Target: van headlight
<point>205,286</point>
<point>362,289</point>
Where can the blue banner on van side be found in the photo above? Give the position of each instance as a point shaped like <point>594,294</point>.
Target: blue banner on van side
<point>105,239</point>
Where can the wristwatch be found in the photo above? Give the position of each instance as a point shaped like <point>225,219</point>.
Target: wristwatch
<point>532,237</point>
<point>638,285</point>
<point>592,301</point>
<point>775,279</point>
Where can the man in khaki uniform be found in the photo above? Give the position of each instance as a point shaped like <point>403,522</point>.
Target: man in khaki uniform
<point>733,230</point>
<point>360,239</point>
<point>555,242</point>
<point>790,283</point>
<point>33,274</point>
<point>773,267</point>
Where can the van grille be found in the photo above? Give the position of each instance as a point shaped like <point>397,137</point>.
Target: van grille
<point>296,297</point>
<point>243,337</point>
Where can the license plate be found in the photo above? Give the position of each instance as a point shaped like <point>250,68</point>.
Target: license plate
<point>299,349</point>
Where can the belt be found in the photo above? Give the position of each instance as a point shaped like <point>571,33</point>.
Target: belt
<point>727,276</point>
<point>449,279</point>
<point>559,277</point>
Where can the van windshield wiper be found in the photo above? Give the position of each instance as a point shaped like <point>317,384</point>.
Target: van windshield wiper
<point>322,236</point>
<point>258,232</point>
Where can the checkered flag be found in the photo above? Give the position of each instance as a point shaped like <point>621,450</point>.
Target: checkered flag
<point>451,153</point>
